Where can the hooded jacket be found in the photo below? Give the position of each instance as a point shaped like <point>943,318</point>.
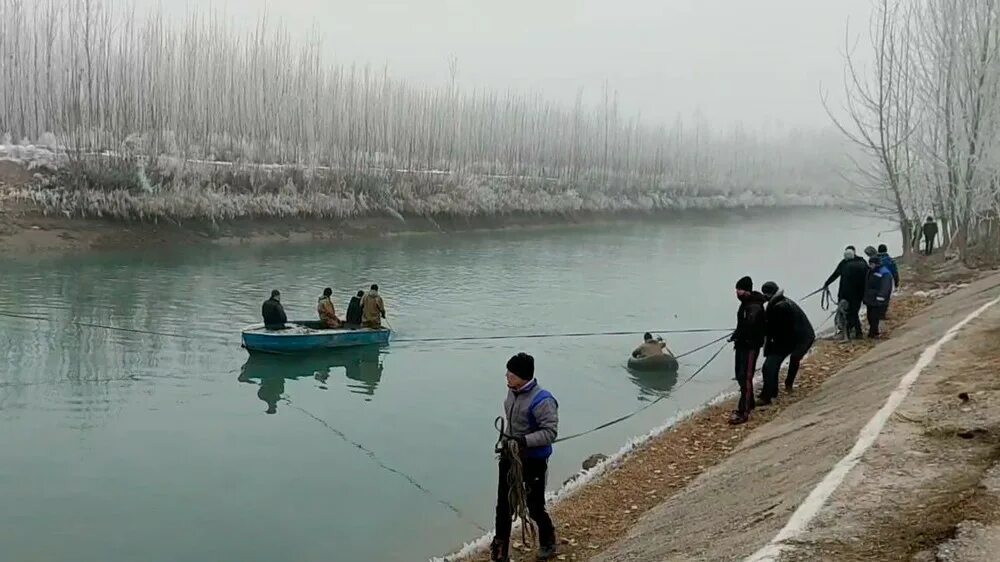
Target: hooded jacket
<point>890,264</point>
<point>649,349</point>
<point>751,324</point>
<point>372,310</point>
<point>852,273</point>
<point>327,313</point>
<point>354,311</point>
<point>274,314</point>
<point>878,290</point>
<point>533,413</point>
<point>788,327</point>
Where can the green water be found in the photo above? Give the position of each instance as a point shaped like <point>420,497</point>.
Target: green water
<point>120,446</point>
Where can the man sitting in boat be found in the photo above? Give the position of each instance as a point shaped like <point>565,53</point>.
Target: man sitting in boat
<point>650,347</point>
<point>372,309</point>
<point>327,313</point>
<point>273,312</point>
<point>354,311</point>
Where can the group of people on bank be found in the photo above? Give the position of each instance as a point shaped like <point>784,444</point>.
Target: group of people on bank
<point>771,321</point>
<point>365,310</point>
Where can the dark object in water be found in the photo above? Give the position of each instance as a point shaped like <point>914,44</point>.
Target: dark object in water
<point>654,363</point>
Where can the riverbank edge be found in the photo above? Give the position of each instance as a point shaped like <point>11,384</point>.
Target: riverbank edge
<point>25,231</point>
<point>599,506</point>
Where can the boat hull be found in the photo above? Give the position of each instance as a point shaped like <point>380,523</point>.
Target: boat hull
<point>302,338</point>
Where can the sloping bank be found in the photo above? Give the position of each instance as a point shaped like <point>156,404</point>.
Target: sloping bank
<point>703,490</point>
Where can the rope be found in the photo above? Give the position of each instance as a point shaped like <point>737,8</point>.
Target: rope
<point>561,335</point>
<point>106,327</point>
<point>517,493</point>
<point>826,300</point>
<point>374,458</point>
<point>658,399</point>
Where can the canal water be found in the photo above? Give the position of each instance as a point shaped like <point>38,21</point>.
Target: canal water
<point>121,446</point>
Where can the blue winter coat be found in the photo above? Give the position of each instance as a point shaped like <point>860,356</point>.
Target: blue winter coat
<point>878,289</point>
<point>890,264</point>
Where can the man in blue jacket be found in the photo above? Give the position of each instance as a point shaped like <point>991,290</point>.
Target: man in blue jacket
<point>533,422</point>
<point>878,291</point>
<point>889,263</point>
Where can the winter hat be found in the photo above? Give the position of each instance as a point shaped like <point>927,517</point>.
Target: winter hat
<point>522,365</point>
<point>769,289</point>
<point>870,251</point>
<point>882,249</point>
<point>744,284</point>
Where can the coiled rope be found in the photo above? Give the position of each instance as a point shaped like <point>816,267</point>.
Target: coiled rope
<point>517,493</point>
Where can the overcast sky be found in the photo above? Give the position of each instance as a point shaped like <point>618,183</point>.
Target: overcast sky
<point>755,61</point>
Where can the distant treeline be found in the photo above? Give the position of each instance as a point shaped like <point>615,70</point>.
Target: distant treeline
<point>150,107</point>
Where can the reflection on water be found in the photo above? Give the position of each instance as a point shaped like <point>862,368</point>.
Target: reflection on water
<point>653,384</point>
<point>113,423</point>
<point>362,365</point>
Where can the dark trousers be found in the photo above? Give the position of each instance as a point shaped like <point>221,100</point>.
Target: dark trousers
<point>875,315</point>
<point>928,245</point>
<point>772,368</point>
<point>745,366</point>
<point>534,471</point>
<point>853,319</point>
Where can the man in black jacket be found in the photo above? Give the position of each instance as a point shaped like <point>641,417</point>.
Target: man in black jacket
<point>852,271</point>
<point>790,335</point>
<point>930,231</point>
<point>748,338</point>
<point>353,318</point>
<point>273,312</point>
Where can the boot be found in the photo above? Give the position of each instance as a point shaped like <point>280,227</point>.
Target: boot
<point>546,553</point>
<point>499,551</point>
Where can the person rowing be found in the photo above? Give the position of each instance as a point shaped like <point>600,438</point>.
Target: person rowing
<point>652,355</point>
<point>650,347</point>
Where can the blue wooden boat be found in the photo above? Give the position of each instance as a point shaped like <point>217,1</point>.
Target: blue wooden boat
<point>304,337</point>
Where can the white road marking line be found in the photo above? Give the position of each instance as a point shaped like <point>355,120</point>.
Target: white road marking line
<point>810,508</point>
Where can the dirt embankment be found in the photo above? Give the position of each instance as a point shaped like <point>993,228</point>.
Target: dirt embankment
<point>707,491</point>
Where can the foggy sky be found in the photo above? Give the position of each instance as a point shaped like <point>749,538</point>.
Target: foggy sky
<point>759,62</point>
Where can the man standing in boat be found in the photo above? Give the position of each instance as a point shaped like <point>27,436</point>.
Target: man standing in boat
<point>372,309</point>
<point>354,311</point>
<point>273,312</point>
<point>532,416</point>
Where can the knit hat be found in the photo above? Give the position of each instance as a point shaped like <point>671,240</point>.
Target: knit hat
<point>882,249</point>
<point>522,365</point>
<point>744,284</point>
<point>870,251</point>
<point>769,289</point>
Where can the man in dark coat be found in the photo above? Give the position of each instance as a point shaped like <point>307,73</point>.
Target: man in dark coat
<point>354,311</point>
<point>273,312</point>
<point>930,231</point>
<point>790,335</point>
<point>878,291</point>
<point>852,271</point>
<point>751,330</point>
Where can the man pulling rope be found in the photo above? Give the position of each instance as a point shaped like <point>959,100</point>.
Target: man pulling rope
<point>524,449</point>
